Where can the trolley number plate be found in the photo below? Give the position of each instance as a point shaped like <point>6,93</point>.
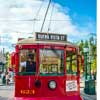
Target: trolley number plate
<point>27,91</point>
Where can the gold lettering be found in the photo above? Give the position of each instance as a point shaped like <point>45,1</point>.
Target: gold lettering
<point>27,92</point>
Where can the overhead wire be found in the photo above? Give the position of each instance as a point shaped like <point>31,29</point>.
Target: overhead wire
<point>34,20</point>
<point>30,20</point>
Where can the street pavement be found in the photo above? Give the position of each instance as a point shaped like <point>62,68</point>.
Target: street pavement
<point>7,92</point>
<point>86,96</point>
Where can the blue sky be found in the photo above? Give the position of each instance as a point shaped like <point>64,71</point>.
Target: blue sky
<point>81,11</point>
<point>78,19</point>
<point>81,7</point>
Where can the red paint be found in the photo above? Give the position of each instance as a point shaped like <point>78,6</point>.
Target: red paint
<point>44,93</point>
<point>74,97</point>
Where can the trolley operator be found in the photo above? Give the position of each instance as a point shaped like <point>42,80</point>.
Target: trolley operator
<point>29,65</point>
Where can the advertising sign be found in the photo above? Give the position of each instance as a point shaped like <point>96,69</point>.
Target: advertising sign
<point>71,86</point>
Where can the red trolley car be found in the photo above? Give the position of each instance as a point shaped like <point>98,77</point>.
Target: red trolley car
<point>47,68</point>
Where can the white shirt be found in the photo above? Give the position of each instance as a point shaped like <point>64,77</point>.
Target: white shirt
<point>23,64</point>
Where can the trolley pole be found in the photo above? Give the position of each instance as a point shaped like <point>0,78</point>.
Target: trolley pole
<point>45,15</point>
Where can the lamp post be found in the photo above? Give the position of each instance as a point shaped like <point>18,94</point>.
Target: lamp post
<point>89,84</point>
<point>86,50</point>
<point>90,70</point>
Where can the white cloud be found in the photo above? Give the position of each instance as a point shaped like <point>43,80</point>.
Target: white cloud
<point>12,10</point>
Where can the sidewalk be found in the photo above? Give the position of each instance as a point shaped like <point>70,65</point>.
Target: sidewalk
<point>1,82</point>
<point>86,96</point>
<point>5,84</point>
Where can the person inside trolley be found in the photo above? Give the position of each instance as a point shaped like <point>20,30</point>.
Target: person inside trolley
<point>30,63</point>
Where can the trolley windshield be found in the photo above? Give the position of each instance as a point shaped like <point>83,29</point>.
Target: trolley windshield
<point>27,62</point>
<point>51,62</point>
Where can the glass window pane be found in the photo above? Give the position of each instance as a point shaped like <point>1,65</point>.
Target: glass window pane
<point>51,62</point>
<point>27,62</point>
<point>71,63</point>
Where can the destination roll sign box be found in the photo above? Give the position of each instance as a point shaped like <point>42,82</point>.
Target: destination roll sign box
<point>51,37</point>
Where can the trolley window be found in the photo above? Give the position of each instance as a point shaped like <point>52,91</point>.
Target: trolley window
<point>27,62</point>
<point>71,63</point>
<point>51,62</point>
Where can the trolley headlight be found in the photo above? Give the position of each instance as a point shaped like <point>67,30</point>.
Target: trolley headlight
<point>52,84</point>
<point>38,83</point>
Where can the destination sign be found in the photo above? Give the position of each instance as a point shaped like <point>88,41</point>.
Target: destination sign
<point>52,37</point>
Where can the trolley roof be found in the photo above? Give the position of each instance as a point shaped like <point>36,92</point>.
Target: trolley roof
<point>47,38</point>
<point>33,41</point>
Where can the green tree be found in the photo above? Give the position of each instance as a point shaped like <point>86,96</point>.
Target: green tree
<point>81,45</point>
